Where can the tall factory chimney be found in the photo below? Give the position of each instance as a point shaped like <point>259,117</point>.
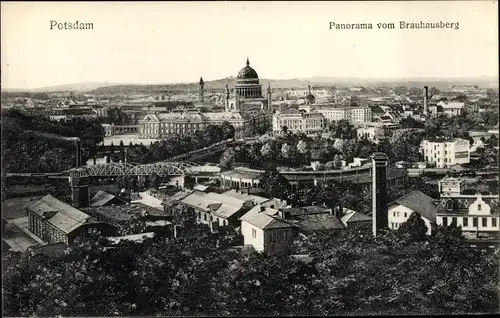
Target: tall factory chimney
<point>426,99</point>
<point>79,188</point>
<point>379,192</point>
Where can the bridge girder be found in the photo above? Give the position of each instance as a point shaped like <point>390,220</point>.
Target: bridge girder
<point>120,169</point>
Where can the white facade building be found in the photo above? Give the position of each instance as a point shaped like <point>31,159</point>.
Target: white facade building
<point>445,153</point>
<point>400,210</point>
<point>355,115</point>
<point>451,108</point>
<point>370,133</point>
<point>297,122</point>
<point>262,228</point>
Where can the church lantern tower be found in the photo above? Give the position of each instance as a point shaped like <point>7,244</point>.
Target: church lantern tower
<point>201,96</point>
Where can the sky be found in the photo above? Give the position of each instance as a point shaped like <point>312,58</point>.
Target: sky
<point>162,42</point>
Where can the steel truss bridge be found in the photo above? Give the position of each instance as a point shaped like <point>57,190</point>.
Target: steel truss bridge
<point>121,169</point>
<point>159,168</point>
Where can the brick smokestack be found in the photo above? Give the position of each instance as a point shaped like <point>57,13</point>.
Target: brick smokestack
<point>379,192</point>
<point>426,99</point>
<point>79,188</point>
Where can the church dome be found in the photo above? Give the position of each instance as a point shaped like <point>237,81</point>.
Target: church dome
<point>247,72</point>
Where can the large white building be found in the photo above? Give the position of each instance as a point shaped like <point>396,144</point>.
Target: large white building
<point>451,108</point>
<point>355,115</point>
<point>478,215</point>
<point>401,209</point>
<point>371,133</point>
<point>297,121</point>
<point>445,153</point>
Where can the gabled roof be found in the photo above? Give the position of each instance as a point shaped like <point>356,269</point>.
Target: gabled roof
<point>315,222</point>
<point>228,205</point>
<point>61,215</point>
<point>101,198</point>
<point>245,197</point>
<point>354,216</point>
<point>420,203</point>
<point>264,221</point>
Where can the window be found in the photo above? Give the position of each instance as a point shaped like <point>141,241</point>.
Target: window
<point>484,222</point>
<point>224,222</point>
<point>397,214</point>
<point>445,221</point>
<point>273,237</point>
<point>204,216</point>
<point>474,222</point>
<point>454,221</point>
<point>254,233</point>
<point>465,221</point>
<point>285,236</point>
<point>449,205</point>
<point>479,207</point>
<point>406,214</point>
<point>494,222</point>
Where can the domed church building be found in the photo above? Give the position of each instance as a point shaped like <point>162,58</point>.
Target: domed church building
<point>247,94</point>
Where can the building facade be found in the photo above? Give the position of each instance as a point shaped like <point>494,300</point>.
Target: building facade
<point>355,115</point>
<point>298,122</point>
<point>400,210</point>
<point>262,228</point>
<point>371,133</point>
<point>160,125</point>
<point>245,109</point>
<point>57,222</point>
<point>444,153</point>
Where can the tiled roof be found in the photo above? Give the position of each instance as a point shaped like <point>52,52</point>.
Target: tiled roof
<point>51,250</point>
<point>101,198</point>
<point>264,221</point>
<point>245,197</point>
<point>461,203</point>
<point>354,216</point>
<point>61,215</point>
<point>228,205</point>
<point>315,222</point>
<point>420,203</point>
<point>257,210</point>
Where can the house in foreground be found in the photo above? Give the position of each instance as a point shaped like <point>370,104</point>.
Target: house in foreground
<point>399,210</point>
<point>57,222</point>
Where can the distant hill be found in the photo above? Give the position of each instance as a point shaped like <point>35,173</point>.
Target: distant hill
<point>76,87</point>
<point>105,88</point>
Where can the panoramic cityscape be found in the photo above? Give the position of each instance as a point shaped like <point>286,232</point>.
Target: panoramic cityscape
<point>248,194</point>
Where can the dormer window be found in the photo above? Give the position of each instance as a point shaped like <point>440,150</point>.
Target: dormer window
<point>449,205</point>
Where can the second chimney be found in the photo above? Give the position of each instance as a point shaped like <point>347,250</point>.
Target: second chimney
<point>426,99</point>
<point>379,192</point>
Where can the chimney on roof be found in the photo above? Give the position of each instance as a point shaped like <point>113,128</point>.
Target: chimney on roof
<point>262,208</point>
<point>379,192</point>
<point>426,99</point>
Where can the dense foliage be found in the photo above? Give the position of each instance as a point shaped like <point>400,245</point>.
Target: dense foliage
<point>180,144</point>
<point>298,151</point>
<point>351,273</point>
<point>27,138</point>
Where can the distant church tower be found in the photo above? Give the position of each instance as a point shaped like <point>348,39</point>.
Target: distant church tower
<point>201,97</point>
<point>269,98</point>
